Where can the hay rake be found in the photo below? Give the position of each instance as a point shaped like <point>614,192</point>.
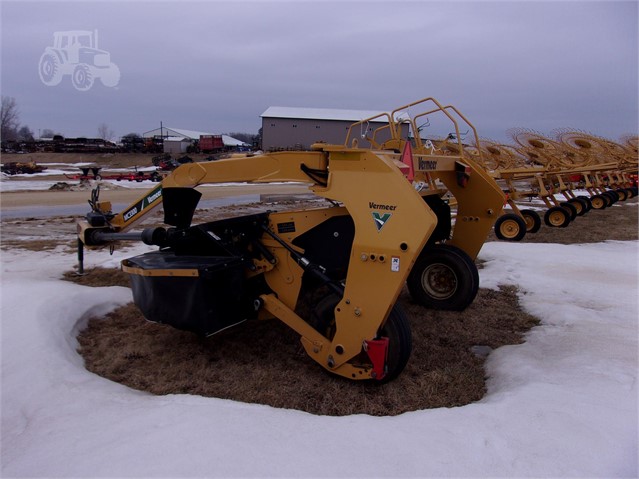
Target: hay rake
<point>539,167</point>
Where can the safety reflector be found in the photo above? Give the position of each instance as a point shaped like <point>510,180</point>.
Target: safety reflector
<point>407,159</point>
<point>377,350</point>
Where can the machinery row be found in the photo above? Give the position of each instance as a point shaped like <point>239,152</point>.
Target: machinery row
<point>564,177</point>
<point>553,170</point>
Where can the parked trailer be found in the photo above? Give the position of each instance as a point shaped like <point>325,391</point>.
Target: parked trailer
<point>211,143</point>
<point>93,173</point>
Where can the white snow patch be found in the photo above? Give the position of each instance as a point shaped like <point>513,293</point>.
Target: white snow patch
<point>562,404</point>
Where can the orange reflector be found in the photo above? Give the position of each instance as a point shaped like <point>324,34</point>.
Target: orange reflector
<point>377,350</point>
<point>407,159</point>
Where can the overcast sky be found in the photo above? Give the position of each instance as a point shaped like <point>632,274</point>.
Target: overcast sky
<point>216,66</point>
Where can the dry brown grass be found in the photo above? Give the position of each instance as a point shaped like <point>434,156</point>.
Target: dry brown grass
<point>99,277</point>
<point>263,362</point>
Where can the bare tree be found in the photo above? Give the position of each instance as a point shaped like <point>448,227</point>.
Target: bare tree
<point>9,118</point>
<point>105,132</point>
<point>25,133</point>
<point>245,137</point>
<point>47,133</point>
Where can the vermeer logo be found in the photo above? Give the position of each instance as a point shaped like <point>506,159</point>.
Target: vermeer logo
<point>427,165</point>
<point>154,196</point>
<point>143,203</point>
<point>375,206</point>
<point>380,219</point>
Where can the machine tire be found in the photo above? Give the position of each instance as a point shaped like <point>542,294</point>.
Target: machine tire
<point>532,219</point>
<point>598,202</point>
<point>629,193</point>
<point>623,196</point>
<point>82,78</point>
<point>557,217</point>
<point>510,227</point>
<point>396,329</point>
<point>614,195</point>
<point>444,277</point>
<point>49,69</point>
<point>579,205</point>
<point>572,209</point>
<point>608,198</point>
<point>586,201</point>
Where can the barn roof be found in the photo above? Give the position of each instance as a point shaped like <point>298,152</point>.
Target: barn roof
<point>191,134</point>
<point>320,113</point>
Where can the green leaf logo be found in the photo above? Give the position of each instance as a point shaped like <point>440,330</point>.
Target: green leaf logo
<point>380,219</point>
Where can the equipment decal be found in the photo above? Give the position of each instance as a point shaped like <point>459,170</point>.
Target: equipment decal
<point>376,206</point>
<point>380,219</point>
<point>395,264</point>
<point>143,203</point>
<point>427,165</point>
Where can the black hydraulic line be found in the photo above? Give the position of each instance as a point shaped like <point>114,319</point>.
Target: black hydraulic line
<point>318,176</point>
<point>80,256</point>
<point>313,269</point>
<point>264,251</point>
<point>106,236</point>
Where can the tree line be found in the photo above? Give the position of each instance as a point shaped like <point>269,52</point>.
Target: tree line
<point>12,130</point>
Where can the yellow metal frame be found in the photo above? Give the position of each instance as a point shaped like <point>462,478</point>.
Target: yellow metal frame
<point>364,182</point>
<point>478,198</point>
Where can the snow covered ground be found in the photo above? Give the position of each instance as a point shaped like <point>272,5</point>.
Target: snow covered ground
<point>562,404</point>
<point>38,181</point>
<point>8,185</point>
<point>11,184</point>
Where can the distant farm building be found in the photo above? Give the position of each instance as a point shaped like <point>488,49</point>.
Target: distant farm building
<point>299,128</point>
<point>178,140</point>
<point>176,144</point>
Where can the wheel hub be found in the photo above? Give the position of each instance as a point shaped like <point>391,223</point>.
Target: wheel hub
<point>439,281</point>
<point>509,229</point>
<point>556,218</point>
